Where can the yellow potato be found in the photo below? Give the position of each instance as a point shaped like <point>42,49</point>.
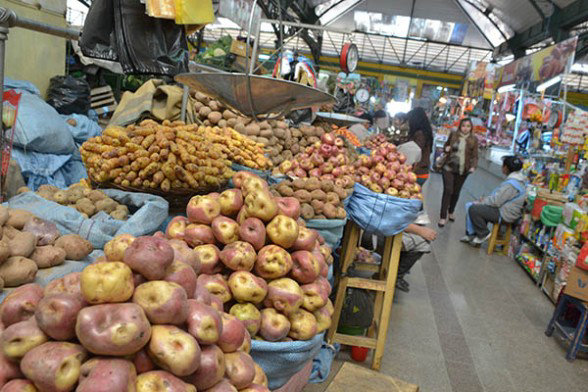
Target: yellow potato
<point>107,282</point>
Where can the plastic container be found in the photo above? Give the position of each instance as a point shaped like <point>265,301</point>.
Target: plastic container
<point>359,354</point>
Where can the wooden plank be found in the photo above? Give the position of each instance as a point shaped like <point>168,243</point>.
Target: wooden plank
<point>353,377</point>
<point>368,284</point>
<point>99,90</point>
<point>101,97</point>
<point>339,300</point>
<point>350,340</point>
<point>367,267</point>
<point>105,102</point>
<point>105,109</point>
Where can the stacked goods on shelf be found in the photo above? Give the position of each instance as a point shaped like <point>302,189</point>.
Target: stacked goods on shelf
<point>256,254</point>
<point>168,156</point>
<point>86,201</point>
<point>133,320</point>
<point>384,171</point>
<point>375,141</point>
<point>318,199</point>
<point>327,159</point>
<point>30,243</point>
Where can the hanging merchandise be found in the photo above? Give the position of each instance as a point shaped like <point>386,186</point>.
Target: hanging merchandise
<point>120,30</point>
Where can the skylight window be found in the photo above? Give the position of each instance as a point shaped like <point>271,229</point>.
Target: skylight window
<point>332,10</point>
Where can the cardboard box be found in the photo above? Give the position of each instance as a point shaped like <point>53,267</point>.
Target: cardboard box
<point>239,48</point>
<point>577,284</point>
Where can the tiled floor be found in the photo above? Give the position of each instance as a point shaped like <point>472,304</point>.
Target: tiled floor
<point>472,322</point>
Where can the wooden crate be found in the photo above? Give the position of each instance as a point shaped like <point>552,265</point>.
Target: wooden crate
<point>353,377</point>
<point>102,100</point>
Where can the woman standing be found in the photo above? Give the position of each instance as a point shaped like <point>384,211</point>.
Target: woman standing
<point>462,159</point>
<point>420,132</point>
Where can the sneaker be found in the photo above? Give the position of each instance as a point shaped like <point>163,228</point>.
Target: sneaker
<point>402,285</point>
<point>479,241</point>
<point>467,239</point>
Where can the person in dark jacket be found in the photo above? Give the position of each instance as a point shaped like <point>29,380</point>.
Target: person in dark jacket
<point>461,160</point>
<point>420,132</point>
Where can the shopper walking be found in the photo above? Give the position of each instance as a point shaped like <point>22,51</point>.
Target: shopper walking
<point>504,203</point>
<point>420,132</point>
<point>460,160</point>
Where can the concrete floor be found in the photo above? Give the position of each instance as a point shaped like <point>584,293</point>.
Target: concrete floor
<point>472,322</point>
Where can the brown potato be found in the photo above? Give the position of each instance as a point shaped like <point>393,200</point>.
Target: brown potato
<point>4,215</point>
<point>76,247</point>
<point>327,186</point>
<point>17,218</point>
<point>18,270</point>
<point>318,194</point>
<point>47,256</point>
<point>303,196</point>
<point>306,211</point>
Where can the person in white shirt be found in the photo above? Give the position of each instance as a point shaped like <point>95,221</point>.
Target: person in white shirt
<point>361,130</point>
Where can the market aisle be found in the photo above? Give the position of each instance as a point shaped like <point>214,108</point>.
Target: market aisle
<point>473,322</point>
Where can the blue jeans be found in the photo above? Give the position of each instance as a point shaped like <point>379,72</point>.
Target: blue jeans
<point>469,225</point>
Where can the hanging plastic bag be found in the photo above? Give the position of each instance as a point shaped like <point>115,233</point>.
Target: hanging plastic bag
<point>194,12</point>
<point>379,213</point>
<point>98,38</point>
<point>69,95</point>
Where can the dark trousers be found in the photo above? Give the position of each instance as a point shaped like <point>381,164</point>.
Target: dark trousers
<point>480,215</point>
<point>452,184</point>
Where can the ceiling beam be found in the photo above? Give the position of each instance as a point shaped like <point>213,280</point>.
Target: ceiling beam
<point>473,22</point>
<point>557,27</point>
<point>537,8</point>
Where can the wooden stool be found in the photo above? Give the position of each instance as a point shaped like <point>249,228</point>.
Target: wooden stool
<point>573,335</point>
<point>384,287</point>
<point>496,240</point>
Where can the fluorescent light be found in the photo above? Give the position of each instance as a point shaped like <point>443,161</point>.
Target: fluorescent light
<point>506,88</point>
<point>543,86</point>
<point>509,117</point>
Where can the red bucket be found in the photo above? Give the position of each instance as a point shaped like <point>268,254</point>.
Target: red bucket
<point>359,354</point>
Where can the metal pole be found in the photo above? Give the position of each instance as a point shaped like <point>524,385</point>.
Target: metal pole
<point>518,120</point>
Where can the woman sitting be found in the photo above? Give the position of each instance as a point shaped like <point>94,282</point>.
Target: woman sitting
<point>505,203</point>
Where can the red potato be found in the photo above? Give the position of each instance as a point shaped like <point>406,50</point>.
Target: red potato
<point>69,284</point>
<point>323,317</point>
<point>163,302</point>
<point>223,386</point>
<point>233,333</point>
<point>185,254</point>
<point>143,362</point>
<point>249,315</point>
<point>255,388</point>
<point>19,385</point>
<point>274,326</point>
<point>216,303</point>
<point>211,370</point>
<point>107,375</point>
<point>247,287</point>
<point>202,295</point>
<point>207,257</point>
<point>273,262</point>
<point>107,282</point>
<point>20,304</point>
<point>202,209</point>
<point>149,256</point>
<point>10,370</point>
<point>216,285</point>
<point>306,267</point>
<point>315,296</point>
<point>238,256</point>
<point>246,346</point>
<point>20,338</point>
<point>114,250</point>
<point>303,325</point>
<point>174,350</point>
<point>260,376</point>
<point>54,366</point>
<point>161,381</point>
<point>198,234</point>
<point>252,230</point>
<point>46,232</point>
<point>176,228</point>
<point>284,295</point>
<point>204,322</point>
<point>240,369</point>
<point>56,315</point>
<point>182,274</point>
<point>113,329</point>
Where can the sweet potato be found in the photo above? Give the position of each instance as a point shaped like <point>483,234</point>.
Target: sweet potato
<point>48,256</point>
<point>46,232</point>
<point>17,218</point>
<point>107,375</point>
<point>56,315</point>
<point>20,304</point>
<point>20,338</point>
<point>18,270</point>
<point>54,366</point>
<point>113,329</point>
<point>23,244</point>
<point>76,247</point>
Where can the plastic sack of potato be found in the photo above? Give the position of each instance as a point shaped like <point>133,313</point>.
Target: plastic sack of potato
<point>379,213</point>
<point>330,229</point>
<point>147,214</point>
<point>282,360</point>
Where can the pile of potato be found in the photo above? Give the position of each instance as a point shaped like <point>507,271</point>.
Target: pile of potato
<point>29,243</point>
<point>166,156</point>
<point>258,259</point>
<point>319,199</point>
<point>131,321</point>
<point>86,201</point>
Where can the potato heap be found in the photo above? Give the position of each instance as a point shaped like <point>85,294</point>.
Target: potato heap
<point>258,259</point>
<point>30,243</point>
<point>133,320</point>
<point>385,171</point>
<point>318,199</point>
<point>85,200</point>
<point>236,147</point>
<point>326,159</point>
<point>156,156</point>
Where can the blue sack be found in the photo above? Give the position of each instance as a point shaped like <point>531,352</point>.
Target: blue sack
<point>379,213</point>
<point>363,151</point>
<point>84,129</point>
<point>261,173</point>
<point>147,214</point>
<point>281,360</point>
<point>330,229</point>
